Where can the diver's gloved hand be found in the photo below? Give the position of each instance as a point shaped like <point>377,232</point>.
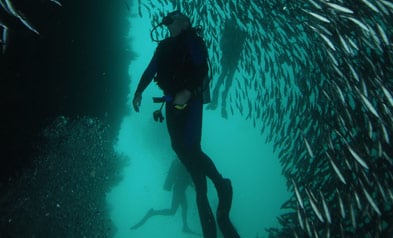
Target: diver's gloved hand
<point>136,102</point>
<point>182,97</point>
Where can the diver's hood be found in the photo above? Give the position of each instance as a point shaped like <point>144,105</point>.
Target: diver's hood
<point>166,21</point>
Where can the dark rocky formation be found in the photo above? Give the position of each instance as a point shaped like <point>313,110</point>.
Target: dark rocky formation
<point>77,66</point>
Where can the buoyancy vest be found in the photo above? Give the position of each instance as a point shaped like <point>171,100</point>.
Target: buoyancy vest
<point>175,67</point>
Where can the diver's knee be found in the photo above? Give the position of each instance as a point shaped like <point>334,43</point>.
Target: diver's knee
<point>180,150</point>
<point>172,211</point>
<point>200,188</point>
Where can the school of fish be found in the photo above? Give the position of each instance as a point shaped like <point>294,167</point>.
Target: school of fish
<point>13,19</point>
<point>316,77</point>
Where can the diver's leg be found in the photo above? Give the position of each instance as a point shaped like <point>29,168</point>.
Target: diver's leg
<point>162,212</point>
<point>228,83</point>
<point>201,162</point>
<point>205,213</point>
<point>177,197</point>
<point>214,97</point>
<point>174,205</point>
<point>183,205</point>
<point>148,215</point>
<point>171,175</point>
<point>199,179</point>
<point>224,191</point>
<point>193,135</point>
<point>184,130</point>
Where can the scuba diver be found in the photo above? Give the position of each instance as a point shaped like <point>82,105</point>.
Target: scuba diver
<point>180,68</point>
<point>231,44</point>
<point>177,180</point>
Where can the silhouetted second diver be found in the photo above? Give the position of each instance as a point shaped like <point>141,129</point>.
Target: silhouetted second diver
<point>177,180</point>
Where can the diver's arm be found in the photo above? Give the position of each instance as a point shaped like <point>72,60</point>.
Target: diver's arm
<point>145,80</point>
<point>148,75</point>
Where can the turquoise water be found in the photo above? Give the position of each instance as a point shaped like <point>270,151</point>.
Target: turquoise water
<point>310,104</point>
<point>237,149</point>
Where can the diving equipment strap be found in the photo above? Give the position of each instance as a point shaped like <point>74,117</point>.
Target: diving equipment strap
<point>168,98</point>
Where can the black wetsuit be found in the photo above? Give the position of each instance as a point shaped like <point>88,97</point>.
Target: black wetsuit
<point>180,63</point>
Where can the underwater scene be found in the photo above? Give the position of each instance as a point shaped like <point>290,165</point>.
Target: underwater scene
<point>295,140</point>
